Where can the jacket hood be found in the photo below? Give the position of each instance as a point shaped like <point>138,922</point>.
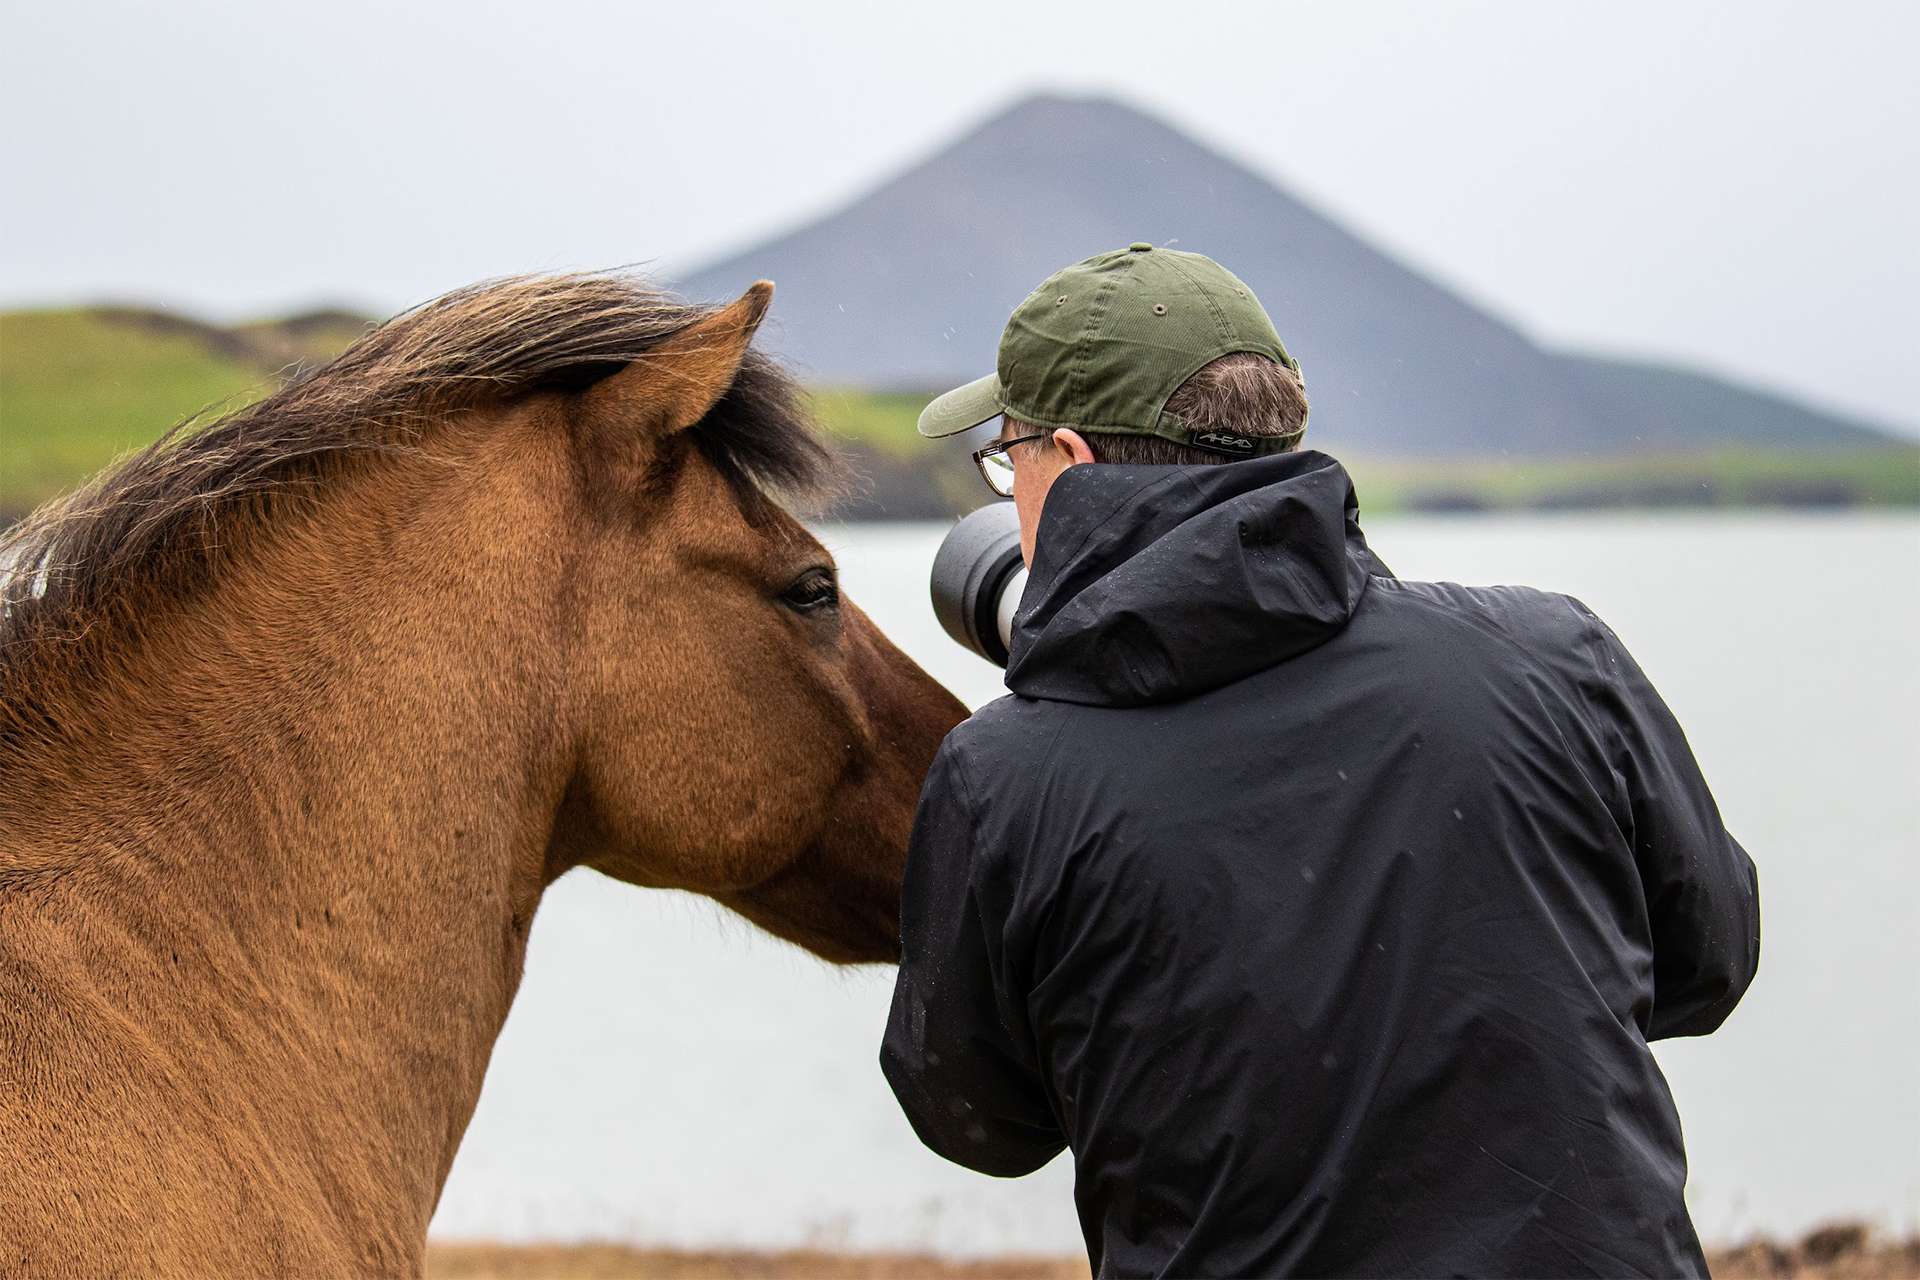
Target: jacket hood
<point>1151,584</point>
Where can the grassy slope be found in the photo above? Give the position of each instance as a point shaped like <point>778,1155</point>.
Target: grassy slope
<point>79,387</point>
<point>1760,477</point>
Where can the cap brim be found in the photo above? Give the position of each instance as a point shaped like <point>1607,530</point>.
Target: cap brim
<point>962,408</point>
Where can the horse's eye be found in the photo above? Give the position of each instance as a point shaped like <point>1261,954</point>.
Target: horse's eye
<point>814,589</point>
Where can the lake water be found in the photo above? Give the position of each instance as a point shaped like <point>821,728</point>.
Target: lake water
<point>669,1075</point>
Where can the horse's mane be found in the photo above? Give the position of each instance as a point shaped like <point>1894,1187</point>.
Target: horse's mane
<point>151,528</point>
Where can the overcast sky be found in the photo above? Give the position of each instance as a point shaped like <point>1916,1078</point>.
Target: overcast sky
<point>1734,185</point>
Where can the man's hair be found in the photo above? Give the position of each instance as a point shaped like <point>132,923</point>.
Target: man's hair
<point>1245,393</point>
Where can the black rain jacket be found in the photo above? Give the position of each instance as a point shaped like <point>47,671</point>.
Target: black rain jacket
<point>1326,916</point>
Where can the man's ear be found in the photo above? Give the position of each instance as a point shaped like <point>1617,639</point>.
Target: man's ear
<point>1073,447</point>
<point>675,384</point>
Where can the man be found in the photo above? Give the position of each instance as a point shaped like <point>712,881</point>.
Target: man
<point>1326,916</point>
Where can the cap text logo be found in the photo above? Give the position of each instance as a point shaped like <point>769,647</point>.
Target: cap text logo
<point>1221,441</point>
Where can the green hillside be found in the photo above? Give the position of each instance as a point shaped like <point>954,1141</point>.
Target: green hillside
<point>79,387</point>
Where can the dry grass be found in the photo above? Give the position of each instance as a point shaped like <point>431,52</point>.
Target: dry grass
<point>1839,1251</point>
<point>1842,1251</point>
<point>623,1262</point>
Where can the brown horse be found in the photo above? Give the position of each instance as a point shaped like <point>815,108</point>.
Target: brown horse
<point>300,713</point>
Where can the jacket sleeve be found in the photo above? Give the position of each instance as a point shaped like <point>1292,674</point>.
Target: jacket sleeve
<point>957,1052</point>
<point>1702,891</point>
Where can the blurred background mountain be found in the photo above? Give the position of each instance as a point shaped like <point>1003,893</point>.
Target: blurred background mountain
<point>1434,401</point>
<point>908,286</point>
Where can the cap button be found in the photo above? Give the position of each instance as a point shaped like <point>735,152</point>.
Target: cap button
<point>1139,246</point>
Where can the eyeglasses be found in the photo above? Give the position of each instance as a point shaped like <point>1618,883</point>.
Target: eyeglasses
<point>996,468</point>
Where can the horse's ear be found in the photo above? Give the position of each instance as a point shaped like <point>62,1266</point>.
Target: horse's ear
<point>675,384</point>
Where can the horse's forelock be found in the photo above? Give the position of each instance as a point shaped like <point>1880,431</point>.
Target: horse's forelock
<point>761,437</point>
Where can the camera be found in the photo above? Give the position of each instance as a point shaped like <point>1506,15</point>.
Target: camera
<point>978,578</point>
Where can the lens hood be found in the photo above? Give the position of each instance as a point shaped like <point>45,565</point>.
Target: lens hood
<point>977,579</point>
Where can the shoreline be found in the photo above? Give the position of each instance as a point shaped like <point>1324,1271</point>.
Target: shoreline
<point>1837,1251</point>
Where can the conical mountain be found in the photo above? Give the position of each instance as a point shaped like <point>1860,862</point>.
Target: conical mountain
<point>908,286</point>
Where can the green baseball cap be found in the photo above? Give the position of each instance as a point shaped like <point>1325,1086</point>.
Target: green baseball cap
<point>1102,344</point>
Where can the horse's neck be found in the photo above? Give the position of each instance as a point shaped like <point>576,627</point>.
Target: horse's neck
<point>315,844</point>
